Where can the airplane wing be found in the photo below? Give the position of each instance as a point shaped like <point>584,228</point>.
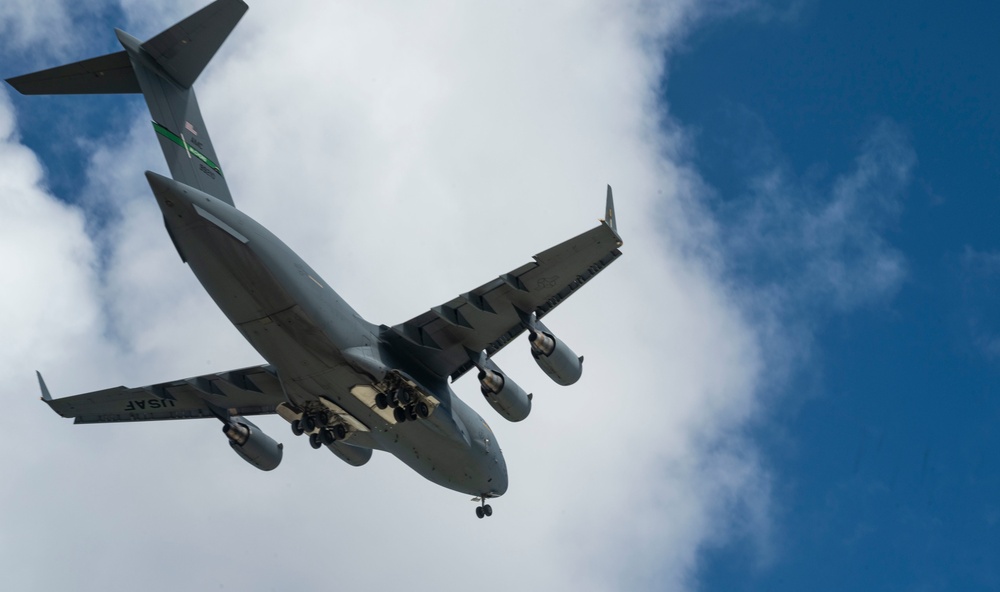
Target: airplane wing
<point>490,316</point>
<point>248,391</point>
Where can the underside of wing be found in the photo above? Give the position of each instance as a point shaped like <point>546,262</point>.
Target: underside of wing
<point>492,315</point>
<point>248,391</point>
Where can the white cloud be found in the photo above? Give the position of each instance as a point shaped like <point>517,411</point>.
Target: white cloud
<point>801,247</point>
<point>27,22</point>
<point>409,153</point>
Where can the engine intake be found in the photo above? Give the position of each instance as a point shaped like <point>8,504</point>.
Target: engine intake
<point>504,395</point>
<point>555,358</point>
<point>252,444</point>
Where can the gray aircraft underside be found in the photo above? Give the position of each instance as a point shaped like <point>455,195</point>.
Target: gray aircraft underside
<point>351,385</point>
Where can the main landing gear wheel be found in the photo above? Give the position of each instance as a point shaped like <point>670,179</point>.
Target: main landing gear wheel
<point>327,437</point>
<point>307,423</point>
<point>403,396</point>
<point>381,401</point>
<point>314,440</point>
<point>399,414</point>
<point>423,410</point>
<point>297,427</point>
<point>339,431</point>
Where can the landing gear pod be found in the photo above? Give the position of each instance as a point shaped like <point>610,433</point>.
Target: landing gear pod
<point>253,445</point>
<point>350,454</point>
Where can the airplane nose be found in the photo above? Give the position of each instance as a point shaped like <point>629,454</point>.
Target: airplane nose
<point>498,473</point>
<point>500,482</point>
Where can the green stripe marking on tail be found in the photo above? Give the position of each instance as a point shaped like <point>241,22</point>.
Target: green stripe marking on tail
<point>190,149</point>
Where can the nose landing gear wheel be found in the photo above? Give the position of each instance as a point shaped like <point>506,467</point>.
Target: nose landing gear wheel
<point>485,510</point>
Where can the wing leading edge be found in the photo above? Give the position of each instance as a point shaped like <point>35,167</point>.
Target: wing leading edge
<point>248,391</point>
<point>491,316</point>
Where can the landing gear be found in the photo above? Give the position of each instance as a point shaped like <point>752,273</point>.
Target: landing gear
<point>325,434</point>
<point>485,510</point>
<point>411,412</point>
<point>403,396</point>
<point>407,400</point>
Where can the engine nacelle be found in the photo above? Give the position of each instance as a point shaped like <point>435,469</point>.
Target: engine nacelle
<point>555,358</point>
<point>253,445</point>
<point>504,395</point>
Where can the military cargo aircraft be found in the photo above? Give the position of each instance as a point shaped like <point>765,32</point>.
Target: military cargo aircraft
<point>349,385</point>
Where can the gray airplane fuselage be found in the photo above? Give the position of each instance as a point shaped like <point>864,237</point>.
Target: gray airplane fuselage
<point>302,327</point>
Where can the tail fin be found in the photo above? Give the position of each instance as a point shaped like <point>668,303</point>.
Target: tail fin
<point>163,69</point>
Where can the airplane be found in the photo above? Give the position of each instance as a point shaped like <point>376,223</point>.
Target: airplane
<point>347,384</point>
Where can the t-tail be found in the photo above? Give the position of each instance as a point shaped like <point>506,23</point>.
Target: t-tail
<point>163,69</point>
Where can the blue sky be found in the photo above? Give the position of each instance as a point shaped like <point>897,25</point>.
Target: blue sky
<point>808,195</point>
<point>884,443</point>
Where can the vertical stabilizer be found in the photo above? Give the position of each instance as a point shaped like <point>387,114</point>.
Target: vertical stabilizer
<point>163,69</point>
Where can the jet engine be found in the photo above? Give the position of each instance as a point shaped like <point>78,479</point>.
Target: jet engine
<point>504,395</point>
<point>554,357</point>
<point>253,445</point>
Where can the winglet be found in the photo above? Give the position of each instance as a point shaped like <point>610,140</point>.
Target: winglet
<point>609,213</point>
<point>46,396</point>
<point>45,390</point>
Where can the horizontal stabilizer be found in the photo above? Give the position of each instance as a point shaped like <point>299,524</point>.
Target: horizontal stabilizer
<point>185,49</point>
<point>107,74</point>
